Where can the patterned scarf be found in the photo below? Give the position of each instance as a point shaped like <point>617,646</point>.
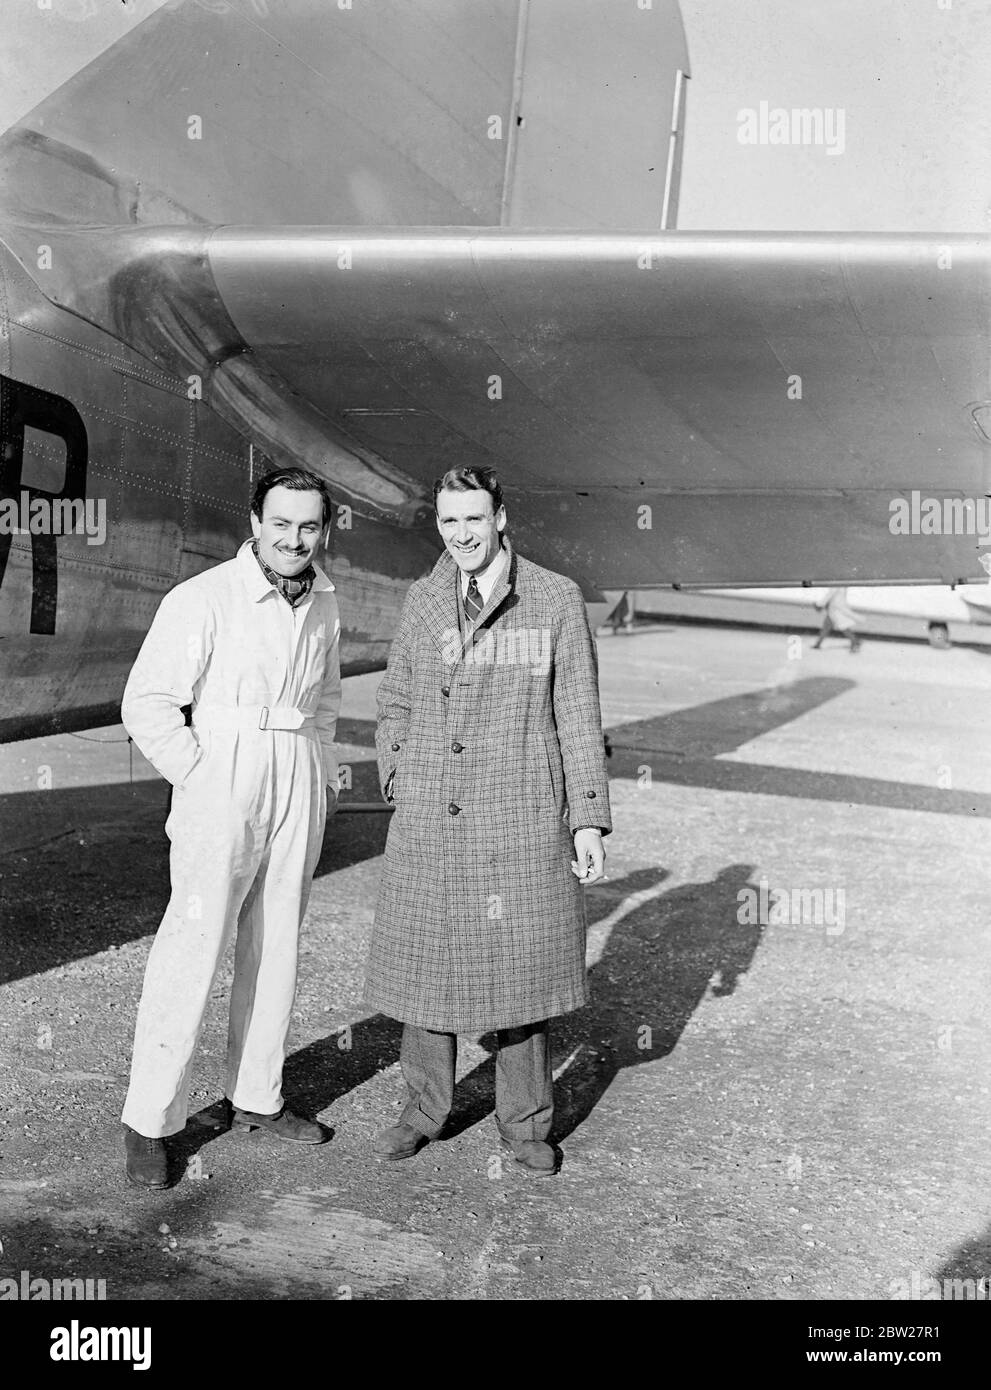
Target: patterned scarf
<point>293,588</point>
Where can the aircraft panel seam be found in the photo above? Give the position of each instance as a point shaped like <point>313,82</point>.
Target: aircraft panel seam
<point>157,432</point>
<point>224,503</point>
<point>143,484</point>
<point>122,456</point>
<point>167,436</point>
<point>173,386</point>
<point>139,527</point>
<point>77,562</point>
<point>117,363</point>
<point>187,482</point>
<point>5,335</point>
<point>822,418</point>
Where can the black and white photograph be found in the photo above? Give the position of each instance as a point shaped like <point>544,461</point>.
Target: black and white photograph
<point>495,666</point>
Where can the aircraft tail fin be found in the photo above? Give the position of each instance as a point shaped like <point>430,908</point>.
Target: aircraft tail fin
<point>553,113</point>
<point>598,122</point>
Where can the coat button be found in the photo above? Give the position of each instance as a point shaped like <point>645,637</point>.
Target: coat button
<point>453,809</point>
<point>395,748</point>
<point>445,690</point>
<point>590,795</point>
<point>457,747</point>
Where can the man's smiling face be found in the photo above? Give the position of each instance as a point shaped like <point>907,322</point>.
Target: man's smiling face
<point>470,528</point>
<point>290,530</point>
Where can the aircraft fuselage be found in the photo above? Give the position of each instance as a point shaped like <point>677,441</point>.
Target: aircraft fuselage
<point>129,484</point>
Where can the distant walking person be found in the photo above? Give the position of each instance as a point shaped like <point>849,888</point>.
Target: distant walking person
<point>622,614</point>
<point>838,618</point>
<point>490,744</point>
<point>253,646</point>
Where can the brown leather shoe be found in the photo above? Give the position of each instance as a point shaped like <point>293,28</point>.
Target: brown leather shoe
<point>147,1160</point>
<point>284,1125</point>
<point>533,1155</point>
<point>399,1141</point>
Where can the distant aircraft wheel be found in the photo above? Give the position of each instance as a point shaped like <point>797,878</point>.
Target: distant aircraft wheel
<point>939,636</point>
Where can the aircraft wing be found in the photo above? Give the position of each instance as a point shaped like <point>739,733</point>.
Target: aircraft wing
<point>679,409</point>
<point>676,409</point>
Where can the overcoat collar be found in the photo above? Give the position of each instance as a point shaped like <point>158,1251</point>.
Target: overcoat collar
<point>443,593</point>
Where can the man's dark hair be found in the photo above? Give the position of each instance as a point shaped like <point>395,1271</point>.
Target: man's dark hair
<point>471,480</point>
<point>298,480</point>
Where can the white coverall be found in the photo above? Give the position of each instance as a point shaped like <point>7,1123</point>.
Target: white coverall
<point>246,824</point>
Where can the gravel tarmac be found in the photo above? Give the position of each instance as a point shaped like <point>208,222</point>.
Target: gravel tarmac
<point>779,1090</point>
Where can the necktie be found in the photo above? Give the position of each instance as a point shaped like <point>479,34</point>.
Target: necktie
<point>473,601</point>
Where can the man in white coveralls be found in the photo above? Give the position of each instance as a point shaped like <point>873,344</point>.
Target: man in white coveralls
<point>253,646</point>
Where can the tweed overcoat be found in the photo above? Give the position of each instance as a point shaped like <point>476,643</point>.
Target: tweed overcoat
<point>493,757</point>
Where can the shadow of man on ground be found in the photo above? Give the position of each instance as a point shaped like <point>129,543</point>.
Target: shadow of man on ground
<point>313,1078</point>
<point>664,951</point>
<point>965,1275</point>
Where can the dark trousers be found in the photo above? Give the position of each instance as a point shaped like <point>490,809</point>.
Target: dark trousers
<point>523,1082</point>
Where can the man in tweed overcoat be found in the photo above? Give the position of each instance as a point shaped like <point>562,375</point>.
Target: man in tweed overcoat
<point>489,743</point>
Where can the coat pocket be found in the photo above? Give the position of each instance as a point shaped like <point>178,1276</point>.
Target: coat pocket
<point>397,787</point>
<point>390,785</point>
